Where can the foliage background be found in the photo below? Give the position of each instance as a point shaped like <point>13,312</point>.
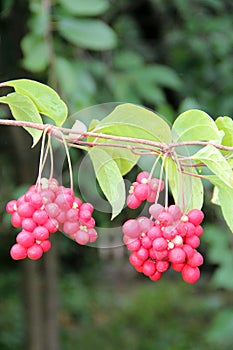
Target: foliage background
<point>169,56</point>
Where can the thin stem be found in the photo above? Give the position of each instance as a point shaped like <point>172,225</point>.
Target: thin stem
<point>160,178</point>
<point>51,158</point>
<point>154,166</point>
<point>166,187</point>
<point>42,159</point>
<point>69,163</point>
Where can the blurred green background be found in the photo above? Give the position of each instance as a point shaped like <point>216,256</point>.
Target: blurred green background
<point>168,56</point>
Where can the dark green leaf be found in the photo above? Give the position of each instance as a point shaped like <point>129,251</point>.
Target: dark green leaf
<point>87,33</point>
<point>23,109</point>
<point>36,53</point>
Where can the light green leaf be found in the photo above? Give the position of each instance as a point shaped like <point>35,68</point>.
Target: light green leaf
<point>23,109</point>
<point>195,125</point>
<point>130,120</point>
<point>226,125</point>
<point>216,163</point>
<point>223,196</point>
<point>109,178</point>
<point>46,100</point>
<point>85,8</point>
<point>87,33</point>
<point>187,190</point>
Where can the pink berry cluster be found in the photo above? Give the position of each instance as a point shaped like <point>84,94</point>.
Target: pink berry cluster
<point>144,188</point>
<point>44,209</point>
<point>168,239</point>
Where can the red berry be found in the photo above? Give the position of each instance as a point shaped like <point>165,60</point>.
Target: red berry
<point>154,232</point>
<point>190,274</point>
<point>177,255</point>
<point>81,237</point>
<point>16,220</point>
<point>155,210</point>
<point>142,253</point>
<point>178,267</point>
<point>45,245</point>
<point>142,175</point>
<point>70,227</point>
<point>93,235</point>
<point>28,224</point>
<point>135,260</point>
<point>51,225</point>
<point>193,241</point>
<point>145,224</point>
<point>148,268</point>
<point>133,245</point>
<point>52,209</point>
<point>146,242</point>
<point>199,231</point>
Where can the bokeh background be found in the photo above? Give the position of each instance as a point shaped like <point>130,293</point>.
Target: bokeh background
<point>168,56</point>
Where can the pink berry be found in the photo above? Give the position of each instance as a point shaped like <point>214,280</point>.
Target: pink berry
<point>195,216</point>
<point>194,241</point>
<point>93,235</point>
<point>190,229</point>
<point>28,224</point>
<point>148,268</point>
<point>36,200</point>
<point>47,196</point>
<point>196,259</point>
<point>151,197</point>
<point>77,202</point>
<point>156,276</point>
<point>87,206</point>
<point>160,255</point>
<point>162,265</point>
<point>61,217</point>
<point>52,209</point>
<point>155,210</point>
<point>135,260</point>
<point>142,175</point>
<point>81,237</point>
<point>142,253</point>
<point>64,201</point>
<point>154,184</point>
<point>160,243</point>
<point>16,220</point>
<point>146,242</point>
<point>199,231</point>
<point>175,211</point>
<point>90,223</point>
<point>165,218</point>
<point>41,233</point>
<point>25,239</point>
<point>189,251</point>
<point>131,228</point>
<point>178,267</point>
<point>145,223</point>
<point>35,252</point>
<point>72,215</point>
<point>51,225</point>
<point>26,210</point>
<point>11,206</point>
<point>40,217</point>
<point>141,192</point>
<point>18,252</point>
<point>70,227</point>
<point>177,255</point>
<point>154,232</point>
<point>134,245</point>
<point>45,245</point>
<point>132,201</point>
<point>190,274</point>
<point>84,214</point>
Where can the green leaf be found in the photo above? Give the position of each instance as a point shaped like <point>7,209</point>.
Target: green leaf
<point>216,162</point>
<point>23,109</point>
<point>223,196</point>
<point>195,125</point>
<point>109,178</point>
<point>187,190</point>
<point>87,33</point>
<point>130,120</point>
<point>36,53</point>
<point>45,99</point>
<point>85,8</point>
<point>225,124</point>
